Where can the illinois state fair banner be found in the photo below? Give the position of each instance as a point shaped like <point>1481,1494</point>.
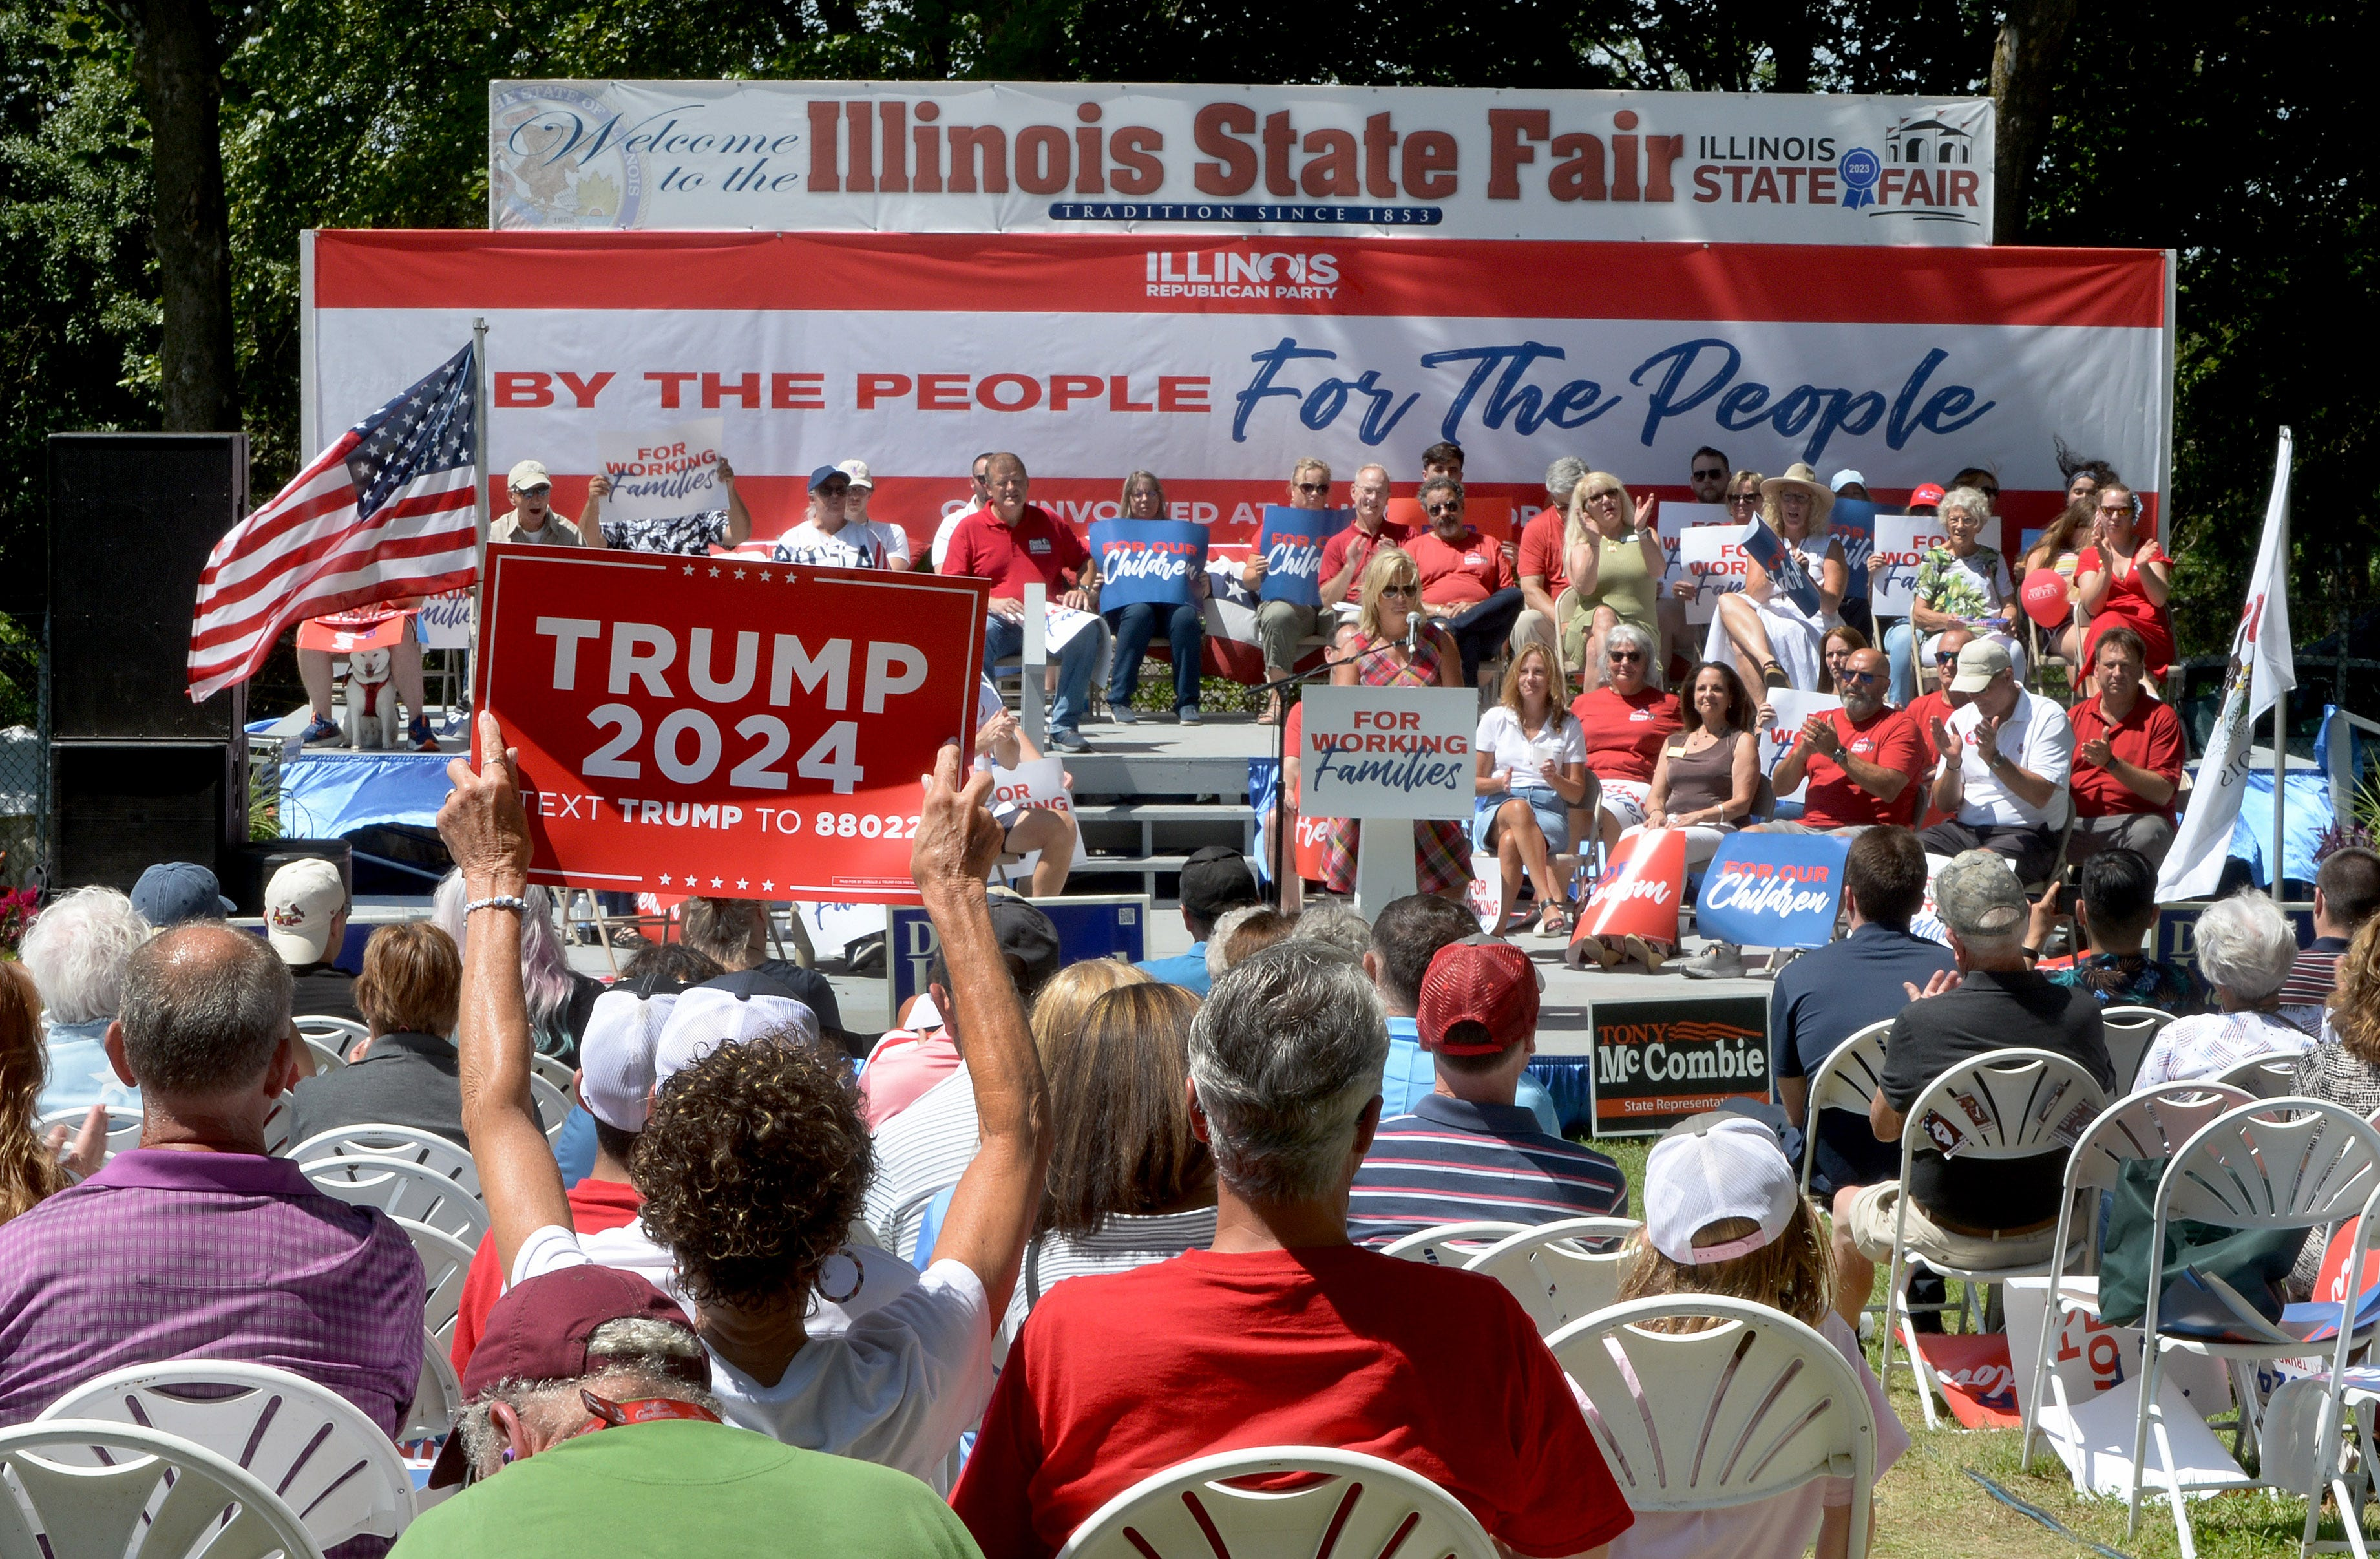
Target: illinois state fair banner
<point>1034,156</point>
<point>714,726</point>
<point>915,352</point>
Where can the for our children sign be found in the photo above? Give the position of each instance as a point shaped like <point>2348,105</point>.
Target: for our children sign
<point>661,474</point>
<point>722,726</point>
<point>1773,890</point>
<point>1291,543</point>
<point>1147,560</point>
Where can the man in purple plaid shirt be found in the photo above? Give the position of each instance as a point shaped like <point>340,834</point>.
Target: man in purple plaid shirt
<point>196,1245</point>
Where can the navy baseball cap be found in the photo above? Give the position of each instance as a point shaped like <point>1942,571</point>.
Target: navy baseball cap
<point>173,891</point>
<point>825,474</point>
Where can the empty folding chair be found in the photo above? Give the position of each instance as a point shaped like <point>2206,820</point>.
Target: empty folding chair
<point>2129,1031</point>
<point>402,1189</point>
<point>377,1139</point>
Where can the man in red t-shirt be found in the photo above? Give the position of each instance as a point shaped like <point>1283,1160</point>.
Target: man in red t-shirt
<point>1467,584</point>
<point>1865,765</point>
<point>1544,573</point>
<point>2128,753</point>
<point>1936,703</point>
<point>1282,1333</point>
<point>1014,544</point>
<point>1346,553</point>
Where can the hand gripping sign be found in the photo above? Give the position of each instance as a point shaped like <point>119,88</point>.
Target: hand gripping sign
<point>723,726</point>
<point>661,474</point>
<point>1639,892</point>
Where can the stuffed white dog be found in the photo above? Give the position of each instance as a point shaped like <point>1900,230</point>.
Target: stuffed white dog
<point>370,715</point>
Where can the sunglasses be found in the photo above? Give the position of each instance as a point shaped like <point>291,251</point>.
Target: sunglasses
<point>1314,487</point>
<point>1719,474</point>
<point>540,491</point>
<point>832,490</point>
<point>2123,509</point>
<point>1742,498</point>
<point>1436,510</point>
<point>1400,589</point>
<point>1858,676</point>
<point>1946,657</point>
<point>1625,655</point>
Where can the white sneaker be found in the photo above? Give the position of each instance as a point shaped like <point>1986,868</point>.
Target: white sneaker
<point>1720,960</point>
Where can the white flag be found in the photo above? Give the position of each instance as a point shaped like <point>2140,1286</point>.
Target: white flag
<point>2262,669</point>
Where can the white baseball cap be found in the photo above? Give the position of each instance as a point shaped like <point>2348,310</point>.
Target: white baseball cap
<point>1845,478</point>
<point>726,1011</point>
<point>857,471</point>
<point>300,902</point>
<point>1714,1166</point>
<point>616,1055</point>
<point>527,473</point>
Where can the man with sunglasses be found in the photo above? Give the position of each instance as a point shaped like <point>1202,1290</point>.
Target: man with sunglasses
<point>1467,583</point>
<point>1707,472</point>
<point>1280,624</point>
<point>1865,765</point>
<point>828,537</point>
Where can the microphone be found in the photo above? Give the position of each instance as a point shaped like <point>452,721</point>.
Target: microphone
<point>1413,631</point>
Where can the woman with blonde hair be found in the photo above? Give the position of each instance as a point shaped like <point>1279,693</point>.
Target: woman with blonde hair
<point>1768,636</point>
<point>1129,1182</point>
<point>1374,654</point>
<point>1060,1008</point>
<point>1613,553</point>
<point>1724,1215</point>
<point>30,1166</point>
<point>1532,771</point>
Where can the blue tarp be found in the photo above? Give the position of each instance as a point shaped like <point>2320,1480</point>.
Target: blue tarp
<point>2306,817</point>
<point>326,795</point>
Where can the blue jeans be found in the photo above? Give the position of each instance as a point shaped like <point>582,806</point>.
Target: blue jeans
<point>1898,650</point>
<point>1134,626</point>
<point>1004,641</point>
<point>1481,629</point>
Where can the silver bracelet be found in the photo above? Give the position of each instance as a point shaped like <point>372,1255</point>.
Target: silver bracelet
<point>500,901</point>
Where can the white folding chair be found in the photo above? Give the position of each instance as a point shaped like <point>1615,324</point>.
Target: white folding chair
<point>1754,1407</point>
<point>123,1125</point>
<point>1451,1244</point>
<point>313,1447</point>
<point>326,1059</point>
<point>551,1069</point>
<point>438,1398</point>
<point>2129,1031</point>
<point>402,1188</point>
<point>553,1105</point>
<point>339,1033</point>
<point>379,1141</point>
<point>1554,1274</point>
<point>79,1486</point>
<point>1846,1079</point>
<point>2006,1104</point>
<point>277,1127</point>
<point>2268,1075</point>
<point>446,1262</point>
<point>2151,1124</point>
<point>2285,1164</point>
<point>1356,1504</point>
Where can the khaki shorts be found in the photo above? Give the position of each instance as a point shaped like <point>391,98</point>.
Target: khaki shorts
<point>1869,1224</point>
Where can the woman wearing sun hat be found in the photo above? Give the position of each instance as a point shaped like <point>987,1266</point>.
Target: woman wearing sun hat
<point>1771,638</point>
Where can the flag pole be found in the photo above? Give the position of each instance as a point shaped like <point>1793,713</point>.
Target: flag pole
<point>2281,715</point>
<point>478,493</point>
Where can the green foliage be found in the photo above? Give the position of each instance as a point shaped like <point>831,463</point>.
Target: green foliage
<point>2232,135</point>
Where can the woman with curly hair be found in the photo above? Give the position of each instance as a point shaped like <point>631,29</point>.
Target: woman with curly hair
<point>754,1159</point>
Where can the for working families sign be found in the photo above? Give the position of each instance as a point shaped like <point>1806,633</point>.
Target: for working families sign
<point>1151,560</point>
<point>1656,1062</point>
<point>1387,752</point>
<point>661,474</point>
<point>1292,541</point>
<point>1032,156</point>
<point>915,351</point>
<point>721,727</point>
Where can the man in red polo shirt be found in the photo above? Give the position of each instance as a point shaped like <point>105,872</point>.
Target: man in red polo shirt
<point>1346,553</point>
<point>1865,765</point>
<point>2128,753</point>
<point>1467,584</point>
<point>1014,543</point>
<point>1544,573</point>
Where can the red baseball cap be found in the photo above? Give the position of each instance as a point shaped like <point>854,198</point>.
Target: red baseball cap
<point>1482,979</point>
<point>1929,494</point>
<point>539,1330</point>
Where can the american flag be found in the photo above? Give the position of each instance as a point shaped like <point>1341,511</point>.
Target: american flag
<point>387,511</point>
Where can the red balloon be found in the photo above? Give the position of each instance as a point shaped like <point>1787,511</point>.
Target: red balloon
<point>2048,599</point>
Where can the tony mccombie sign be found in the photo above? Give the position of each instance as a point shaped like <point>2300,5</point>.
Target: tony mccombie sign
<point>1009,157</point>
<point>1656,1062</point>
<point>723,727</point>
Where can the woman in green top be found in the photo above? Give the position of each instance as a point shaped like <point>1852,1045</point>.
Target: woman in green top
<point>1615,561</point>
<point>1961,584</point>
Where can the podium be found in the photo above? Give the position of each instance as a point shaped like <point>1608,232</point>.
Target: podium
<point>1388,756</point>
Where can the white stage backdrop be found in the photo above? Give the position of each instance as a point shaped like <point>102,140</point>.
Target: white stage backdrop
<point>1218,363</point>
<point>1047,157</point>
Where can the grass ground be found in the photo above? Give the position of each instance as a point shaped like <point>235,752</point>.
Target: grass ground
<point>1928,1504</point>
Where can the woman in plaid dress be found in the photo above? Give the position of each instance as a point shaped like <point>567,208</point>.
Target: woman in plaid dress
<point>1391,593</point>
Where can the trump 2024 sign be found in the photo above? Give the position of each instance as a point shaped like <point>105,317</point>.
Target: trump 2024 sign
<point>723,727</point>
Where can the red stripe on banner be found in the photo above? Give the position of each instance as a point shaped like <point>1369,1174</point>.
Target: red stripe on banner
<point>1113,274</point>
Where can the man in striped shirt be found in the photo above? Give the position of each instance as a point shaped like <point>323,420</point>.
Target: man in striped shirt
<point>2345,892</point>
<point>1467,1150</point>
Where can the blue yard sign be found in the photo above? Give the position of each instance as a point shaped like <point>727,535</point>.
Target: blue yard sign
<point>1151,560</point>
<point>1291,543</point>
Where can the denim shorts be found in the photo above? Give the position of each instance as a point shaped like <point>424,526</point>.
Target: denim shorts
<point>1553,816</point>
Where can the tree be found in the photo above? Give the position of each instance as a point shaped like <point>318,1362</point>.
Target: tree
<point>2024,67</point>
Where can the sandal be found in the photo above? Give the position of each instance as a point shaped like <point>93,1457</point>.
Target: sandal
<point>1773,675</point>
<point>1555,921</point>
<point>1645,953</point>
<point>1272,716</point>
<point>1521,920</point>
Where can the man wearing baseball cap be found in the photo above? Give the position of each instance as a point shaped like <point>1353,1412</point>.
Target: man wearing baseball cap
<point>173,891</point>
<point>855,510</point>
<point>1975,1214</point>
<point>1925,498</point>
<point>2006,785</point>
<point>590,1426</point>
<point>1214,880</point>
<point>531,519</point>
<point>305,920</point>
<point>830,536</point>
<point>1469,1150</point>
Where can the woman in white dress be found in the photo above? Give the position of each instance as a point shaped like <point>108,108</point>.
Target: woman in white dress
<point>1771,638</point>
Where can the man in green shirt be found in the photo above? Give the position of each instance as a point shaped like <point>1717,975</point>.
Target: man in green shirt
<point>591,1428</point>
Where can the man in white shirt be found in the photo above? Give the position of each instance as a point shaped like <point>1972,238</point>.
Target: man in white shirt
<point>754,1159</point>
<point>2014,751</point>
<point>863,486</point>
<point>831,538</point>
<point>941,548</point>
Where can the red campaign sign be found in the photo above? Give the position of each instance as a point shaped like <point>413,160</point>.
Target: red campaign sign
<point>722,726</point>
<point>1313,839</point>
<point>1639,892</point>
<point>1977,1379</point>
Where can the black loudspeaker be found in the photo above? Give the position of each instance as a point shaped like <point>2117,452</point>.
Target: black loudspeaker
<point>132,518</point>
<point>122,807</point>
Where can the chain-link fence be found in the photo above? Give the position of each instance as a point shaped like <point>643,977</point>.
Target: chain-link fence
<point>24,749</point>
